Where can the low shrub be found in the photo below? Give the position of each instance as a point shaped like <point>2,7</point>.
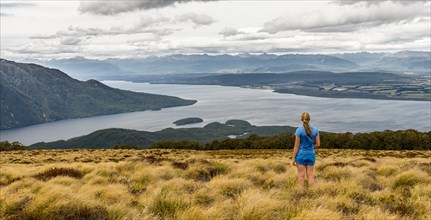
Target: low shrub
<point>6,146</point>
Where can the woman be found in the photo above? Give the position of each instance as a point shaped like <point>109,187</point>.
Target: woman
<point>307,138</point>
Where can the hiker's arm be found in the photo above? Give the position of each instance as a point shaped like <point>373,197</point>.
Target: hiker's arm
<point>317,141</point>
<point>295,150</point>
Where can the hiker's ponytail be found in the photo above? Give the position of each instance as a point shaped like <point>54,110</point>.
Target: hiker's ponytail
<point>305,118</point>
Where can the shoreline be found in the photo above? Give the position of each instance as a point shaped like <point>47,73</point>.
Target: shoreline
<point>348,95</point>
<point>303,92</point>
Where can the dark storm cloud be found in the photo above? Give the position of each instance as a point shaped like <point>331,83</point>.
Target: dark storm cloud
<point>116,7</point>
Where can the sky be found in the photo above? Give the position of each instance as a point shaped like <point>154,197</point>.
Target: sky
<point>141,28</point>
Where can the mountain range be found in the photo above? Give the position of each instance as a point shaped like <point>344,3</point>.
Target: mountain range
<point>32,94</point>
<point>409,62</point>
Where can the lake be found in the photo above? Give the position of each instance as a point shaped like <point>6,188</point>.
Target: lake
<point>259,107</point>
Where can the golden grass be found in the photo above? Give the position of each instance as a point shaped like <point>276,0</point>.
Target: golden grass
<point>186,184</point>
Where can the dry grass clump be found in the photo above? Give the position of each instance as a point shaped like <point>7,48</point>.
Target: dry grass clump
<point>20,209</point>
<point>185,184</point>
<point>230,187</point>
<point>54,172</point>
<point>205,171</point>
<point>257,204</point>
<point>319,214</point>
<point>7,178</point>
<point>387,170</point>
<point>167,205</point>
<point>410,178</point>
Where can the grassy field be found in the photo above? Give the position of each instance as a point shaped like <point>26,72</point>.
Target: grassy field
<point>184,184</point>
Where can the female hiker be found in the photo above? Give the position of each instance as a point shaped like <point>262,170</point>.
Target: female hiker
<point>306,139</point>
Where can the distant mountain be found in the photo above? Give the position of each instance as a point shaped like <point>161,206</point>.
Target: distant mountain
<point>182,64</point>
<point>82,68</point>
<point>109,138</point>
<point>405,61</point>
<point>361,58</point>
<point>32,94</point>
<point>411,62</point>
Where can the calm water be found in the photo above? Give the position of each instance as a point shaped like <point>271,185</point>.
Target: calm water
<point>259,107</point>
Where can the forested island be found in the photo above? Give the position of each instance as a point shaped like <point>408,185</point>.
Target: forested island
<point>186,121</point>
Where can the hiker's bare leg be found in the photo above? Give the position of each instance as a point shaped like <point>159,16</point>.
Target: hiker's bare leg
<point>310,175</point>
<point>301,174</point>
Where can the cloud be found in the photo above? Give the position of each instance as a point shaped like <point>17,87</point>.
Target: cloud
<point>145,25</point>
<point>15,4</point>
<point>375,2</point>
<point>44,48</point>
<point>116,7</point>
<point>74,32</point>
<point>197,19</point>
<point>70,41</point>
<point>147,21</point>
<point>228,31</point>
<point>348,18</point>
<point>12,5</point>
<point>245,34</point>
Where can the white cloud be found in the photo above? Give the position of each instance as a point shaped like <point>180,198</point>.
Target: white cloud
<point>70,41</point>
<point>116,7</point>
<point>348,18</point>
<point>197,19</point>
<point>145,24</point>
<point>228,31</point>
<point>374,2</point>
<point>8,6</point>
<point>317,27</point>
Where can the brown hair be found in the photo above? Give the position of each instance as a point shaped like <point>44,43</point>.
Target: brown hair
<point>305,118</point>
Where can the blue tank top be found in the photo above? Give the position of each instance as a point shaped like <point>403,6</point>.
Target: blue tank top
<point>306,144</point>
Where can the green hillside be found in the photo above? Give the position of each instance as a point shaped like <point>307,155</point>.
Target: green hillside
<point>32,94</point>
<point>109,138</point>
<point>239,134</point>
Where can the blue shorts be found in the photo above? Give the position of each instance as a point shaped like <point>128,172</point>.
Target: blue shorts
<point>306,159</point>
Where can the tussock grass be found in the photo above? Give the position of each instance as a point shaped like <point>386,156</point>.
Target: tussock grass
<point>54,172</point>
<point>186,184</point>
<point>387,170</point>
<point>410,178</point>
<point>257,204</point>
<point>229,187</point>
<point>318,214</point>
<point>168,205</point>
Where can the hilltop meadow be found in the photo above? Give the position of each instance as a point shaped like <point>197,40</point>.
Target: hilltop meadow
<point>219,184</point>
